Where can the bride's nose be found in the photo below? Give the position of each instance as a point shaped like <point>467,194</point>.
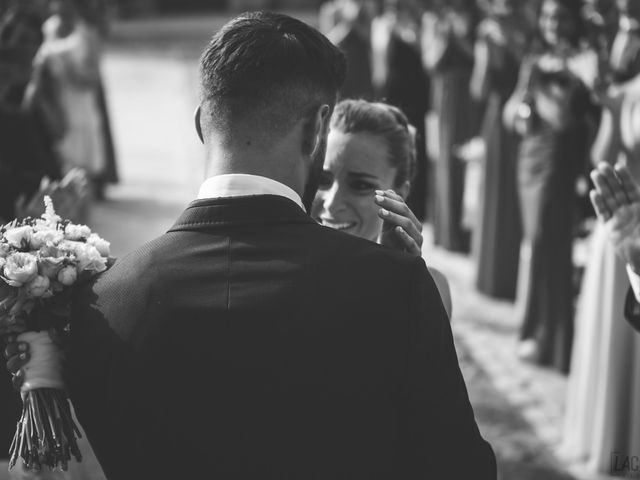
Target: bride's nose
<point>333,199</point>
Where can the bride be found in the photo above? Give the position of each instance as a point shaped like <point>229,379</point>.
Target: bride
<point>367,176</point>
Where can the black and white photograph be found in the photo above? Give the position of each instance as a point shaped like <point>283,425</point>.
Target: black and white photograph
<point>319,239</point>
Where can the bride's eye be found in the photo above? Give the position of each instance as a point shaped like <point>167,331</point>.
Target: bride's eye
<point>363,186</point>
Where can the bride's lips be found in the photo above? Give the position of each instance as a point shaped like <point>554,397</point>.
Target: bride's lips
<point>337,225</point>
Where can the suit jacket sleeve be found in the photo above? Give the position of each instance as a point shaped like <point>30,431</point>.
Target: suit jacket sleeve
<point>632,310</point>
<point>444,440</point>
<point>101,372</point>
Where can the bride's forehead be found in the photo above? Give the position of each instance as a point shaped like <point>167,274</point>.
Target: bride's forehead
<point>357,152</point>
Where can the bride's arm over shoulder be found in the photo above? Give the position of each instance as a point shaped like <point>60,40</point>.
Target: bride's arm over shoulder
<point>443,288</point>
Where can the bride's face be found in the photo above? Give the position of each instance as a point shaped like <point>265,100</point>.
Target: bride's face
<point>355,167</point>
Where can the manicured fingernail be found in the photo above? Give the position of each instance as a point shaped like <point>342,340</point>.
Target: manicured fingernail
<point>384,212</point>
<point>379,192</point>
<point>379,198</point>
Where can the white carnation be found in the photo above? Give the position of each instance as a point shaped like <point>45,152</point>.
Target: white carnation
<point>76,232</point>
<point>89,258</point>
<point>20,268</point>
<point>101,245</point>
<point>17,236</point>
<point>46,237</point>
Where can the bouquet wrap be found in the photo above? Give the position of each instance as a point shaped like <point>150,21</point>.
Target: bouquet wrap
<point>44,369</point>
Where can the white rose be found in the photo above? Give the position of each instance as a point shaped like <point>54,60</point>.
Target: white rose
<point>76,232</point>
<point>89,258</point>
<point>38,286</point>
<point>68,275</point>
<point>101,245</point>
<point>19,236</point>
<point>46,237</point>
<point>20,268</point>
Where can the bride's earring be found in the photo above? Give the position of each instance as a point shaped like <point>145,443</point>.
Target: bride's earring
<point>196,117</point>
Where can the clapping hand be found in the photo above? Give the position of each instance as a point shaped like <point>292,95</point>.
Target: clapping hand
<point>401,229</point>
<point>616,200</point>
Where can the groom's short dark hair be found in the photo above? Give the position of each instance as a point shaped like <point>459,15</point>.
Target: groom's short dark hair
<point>268,68</point>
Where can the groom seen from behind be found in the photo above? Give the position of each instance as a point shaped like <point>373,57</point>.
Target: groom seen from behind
<point>251,342</point>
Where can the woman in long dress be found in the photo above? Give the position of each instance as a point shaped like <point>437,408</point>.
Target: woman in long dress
<point>70,55</point>
<point>603,395</point>
<point>352,35</point>
<point>447,51</point>
<point>497,234</point>
<point>399,79</point>
<point>549,108</point>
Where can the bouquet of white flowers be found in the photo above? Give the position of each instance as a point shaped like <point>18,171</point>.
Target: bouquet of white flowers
<point>41,260</point>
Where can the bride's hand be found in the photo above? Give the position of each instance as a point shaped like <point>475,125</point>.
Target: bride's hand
<point>17,355</point>
<point>401,229</point>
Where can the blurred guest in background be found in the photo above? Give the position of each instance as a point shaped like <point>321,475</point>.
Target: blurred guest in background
<point>548,109</point>
<point>24,158</point>
<point>400,80</point>
<point>499,46</point>
<point>601,21</point>
<point>352,34</point>
<point>98,14</point>
<point>69,60</point>
<point>603,395</point>
<point>328,15</point>
<point>447,52</point>
<point>21,33</point>
<point>21,165</point>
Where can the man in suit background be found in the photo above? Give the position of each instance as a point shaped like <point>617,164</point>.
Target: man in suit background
<point>251,342</point>
<point>616,200</point>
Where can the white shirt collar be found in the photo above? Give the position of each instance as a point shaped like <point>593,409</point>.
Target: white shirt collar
<point>243,185</point>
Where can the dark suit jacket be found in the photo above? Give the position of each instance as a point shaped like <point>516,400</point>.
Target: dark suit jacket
<point>250,342</point>
<point>632,310</point>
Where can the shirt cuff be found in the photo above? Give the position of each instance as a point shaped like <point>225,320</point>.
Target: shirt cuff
<point>634,279</point>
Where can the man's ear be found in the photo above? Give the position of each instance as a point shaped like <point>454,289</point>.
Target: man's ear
<point>196,118</point>
<point>404,189</point>
<point>316,130</point>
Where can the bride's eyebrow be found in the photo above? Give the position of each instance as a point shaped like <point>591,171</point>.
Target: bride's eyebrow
<point>362,175</point>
